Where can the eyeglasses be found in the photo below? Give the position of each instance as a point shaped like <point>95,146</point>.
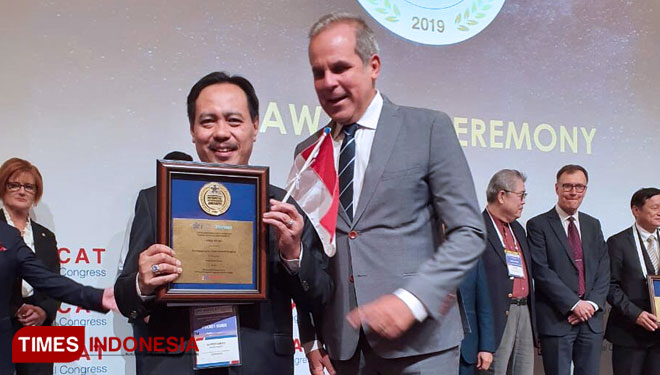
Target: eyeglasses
<point>15,186</point>
<point>578,187</point>
<point>521,194</point>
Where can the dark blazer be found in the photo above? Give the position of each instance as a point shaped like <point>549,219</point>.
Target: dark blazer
<point>17,260</point>
<point>477,304</point>
<point>556,275</point>
<point>497,274</point>
<point>265,332</point>
<point>629,293</point>
<point>45,249</point>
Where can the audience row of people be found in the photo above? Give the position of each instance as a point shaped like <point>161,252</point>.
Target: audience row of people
<point>547,287</point>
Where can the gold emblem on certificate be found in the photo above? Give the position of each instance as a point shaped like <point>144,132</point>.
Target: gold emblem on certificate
<point>214,198</point>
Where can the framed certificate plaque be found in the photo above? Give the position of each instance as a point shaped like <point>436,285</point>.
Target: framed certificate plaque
<point>211,215</point>
<point>654,294</point>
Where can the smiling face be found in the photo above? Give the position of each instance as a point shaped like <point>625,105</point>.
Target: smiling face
<point>223,131</point>
<point>648,216</point>
<point>343,83</point>
<point>19,201</point>
<point>567,186</point>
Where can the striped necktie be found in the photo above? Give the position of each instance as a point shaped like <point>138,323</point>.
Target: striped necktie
<point>346,168</point>
<point>652,250</point>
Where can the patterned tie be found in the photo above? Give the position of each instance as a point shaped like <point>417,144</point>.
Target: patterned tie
<point>346,168</point>
<point>576,245</point>
<point>653,252</point>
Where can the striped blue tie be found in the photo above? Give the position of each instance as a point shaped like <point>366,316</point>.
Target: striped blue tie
<point>346,167</point>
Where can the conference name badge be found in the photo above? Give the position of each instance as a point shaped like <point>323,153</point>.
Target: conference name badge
<point>214,198</point>
<point>514,263</point>
<point>215,330</point>
<point>434,22</point>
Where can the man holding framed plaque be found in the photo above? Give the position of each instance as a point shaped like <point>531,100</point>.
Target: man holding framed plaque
<point>632,328</point>
<point>223,115</point>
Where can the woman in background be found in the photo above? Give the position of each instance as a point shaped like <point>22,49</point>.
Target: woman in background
<point>21,187</point>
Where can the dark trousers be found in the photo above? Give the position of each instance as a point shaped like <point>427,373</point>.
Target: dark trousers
<point>580,345</point>
<point>34,369</point>
<point>636,361</point>
<point>466,368</point>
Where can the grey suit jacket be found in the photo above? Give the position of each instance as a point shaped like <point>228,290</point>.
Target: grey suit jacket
<point>417,180</point>
<point>556,275</point>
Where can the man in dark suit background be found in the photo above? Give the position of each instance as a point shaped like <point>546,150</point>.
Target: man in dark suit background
<point>631,327</point>
<point>223,112</point>
<point>571,274</point>
<point>509,273</point>
<point>402,175</point>
<point>478,345</point>
<point>18,261</point>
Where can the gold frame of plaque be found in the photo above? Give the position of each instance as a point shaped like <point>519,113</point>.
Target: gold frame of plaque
<point>655,301</point>
<point>211,215</point>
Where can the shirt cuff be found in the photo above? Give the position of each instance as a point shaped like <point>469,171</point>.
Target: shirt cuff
<point>311,346</point>
<point>596,308</point>
<point>414,304</point>
<point>292,265</point>
<point>139,292</point>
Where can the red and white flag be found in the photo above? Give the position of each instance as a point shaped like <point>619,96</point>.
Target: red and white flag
<point>314,184</point>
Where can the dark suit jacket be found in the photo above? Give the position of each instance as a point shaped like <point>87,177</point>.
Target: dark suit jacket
<point>17,260</point>
<point>45,249</point>
<point>265,328</point>
<point>629,293</point>
<point>477,305</point>
<point>497,274</point>
<point>556,275</point>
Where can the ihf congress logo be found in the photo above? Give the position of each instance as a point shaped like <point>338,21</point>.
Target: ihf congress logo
<point>435,22</point>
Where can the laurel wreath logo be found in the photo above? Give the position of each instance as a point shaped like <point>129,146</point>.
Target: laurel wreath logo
<point>472,15</point>
<point>386,8</point>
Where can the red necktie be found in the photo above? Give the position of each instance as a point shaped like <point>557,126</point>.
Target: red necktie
<point>576,245</point>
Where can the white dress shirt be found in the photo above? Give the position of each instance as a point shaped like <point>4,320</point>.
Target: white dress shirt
<point>563,216</point>
<point>645,239</point>
<point>645,234</point>
<point>364,138</point>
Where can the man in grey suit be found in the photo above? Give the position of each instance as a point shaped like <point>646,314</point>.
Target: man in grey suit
<point>571,278</point>
<point>402,176</point>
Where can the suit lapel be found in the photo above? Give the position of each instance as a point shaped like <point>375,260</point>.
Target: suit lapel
<point>557,227</point>
<point>386,134</point>
<point>38,236</point>
<point>493,238</point>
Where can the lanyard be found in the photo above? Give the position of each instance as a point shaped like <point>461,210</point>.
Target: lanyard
<point>640,255</point>
<point>499,235</point>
